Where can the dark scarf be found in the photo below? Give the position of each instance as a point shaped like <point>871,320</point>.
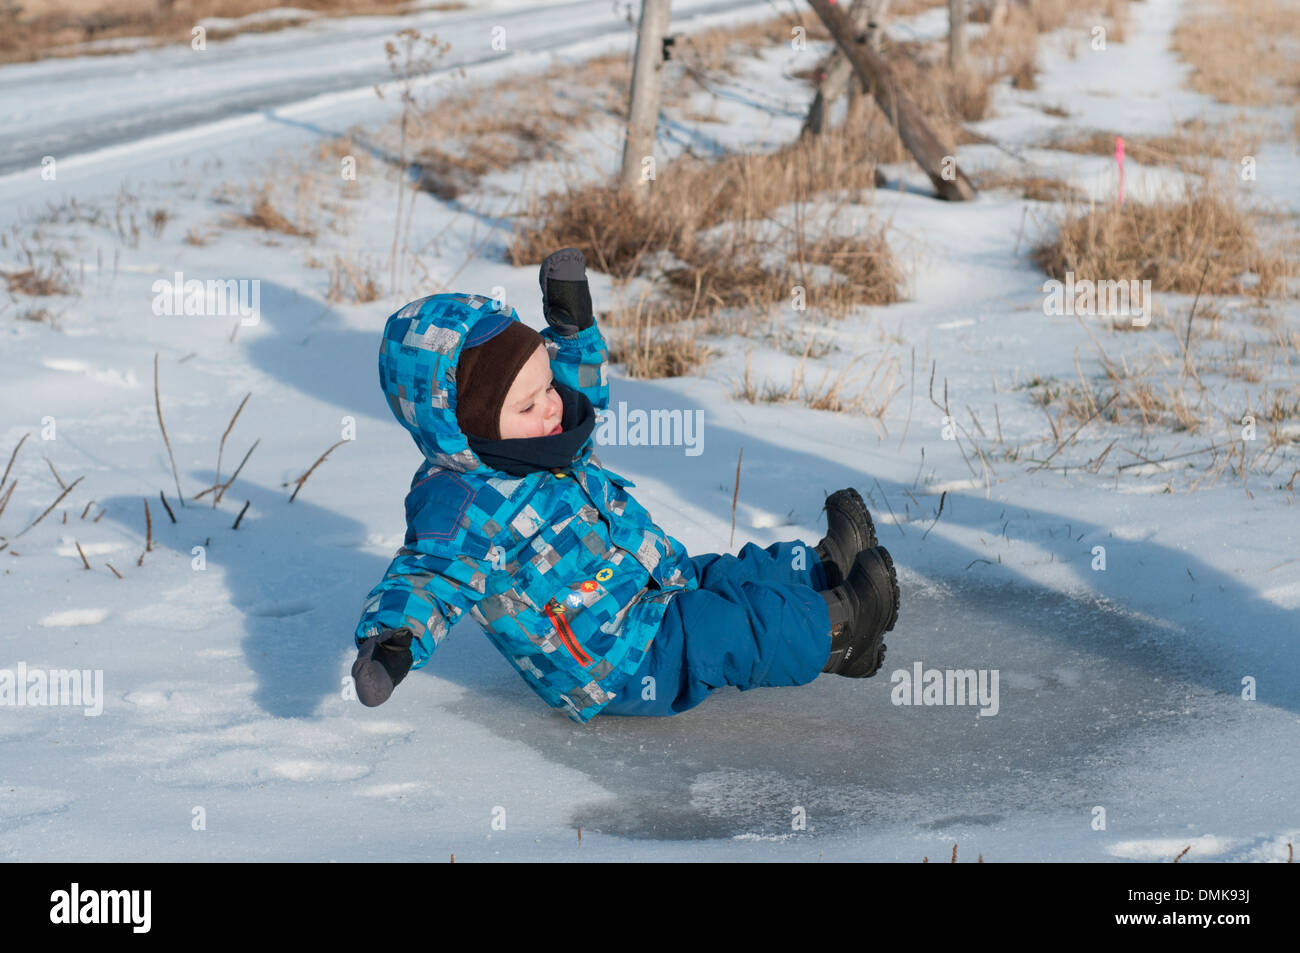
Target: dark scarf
<point>524,455</point>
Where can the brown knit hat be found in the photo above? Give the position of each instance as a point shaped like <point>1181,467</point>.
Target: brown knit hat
<point>485,373</point>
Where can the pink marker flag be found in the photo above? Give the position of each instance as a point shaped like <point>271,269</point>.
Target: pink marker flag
<point>1119,161</point>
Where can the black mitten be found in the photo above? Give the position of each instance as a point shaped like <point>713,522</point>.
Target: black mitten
<point>382,662</point>
<point>566,296</point>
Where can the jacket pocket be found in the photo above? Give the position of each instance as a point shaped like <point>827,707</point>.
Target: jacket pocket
<point>556,615</point>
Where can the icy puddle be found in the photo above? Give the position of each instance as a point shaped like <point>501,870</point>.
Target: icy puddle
<point>1078,683</point>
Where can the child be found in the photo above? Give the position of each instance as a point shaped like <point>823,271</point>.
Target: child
<point>512,518</point>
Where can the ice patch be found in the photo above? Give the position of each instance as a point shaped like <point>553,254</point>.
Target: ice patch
<point>385,728</point>
<point>388,542</point>
<point>1285,596</point>
<point>71,617</point>
<point>767,521</point>
<point>1279,849</point>
<point>398,789</point>
<point>1129,533</point>
<point>1167,848</point>
<point>318,771</point>
<point>1146,469</point>
<point>950,486</point>
<point>728,792</point>
<point>104,376</point>
<point>116,378</point>
<point>90,549</point>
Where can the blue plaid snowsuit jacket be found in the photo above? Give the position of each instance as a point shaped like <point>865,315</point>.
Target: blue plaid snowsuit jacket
<point>567,574</point>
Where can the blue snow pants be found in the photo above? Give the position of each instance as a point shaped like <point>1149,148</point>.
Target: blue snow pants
<point>754,621</point>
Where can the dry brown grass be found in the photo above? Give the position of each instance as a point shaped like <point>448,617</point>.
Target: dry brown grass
<point>1116,13</point>
<point>1012,49</point>
<point>1039,188</point>
<point>950,99</point>
<point>352,282</point>
<point>870,273</point>
<point>872,398</point>
<point>1168,242</point>
<point>464,136</point>
<point>719,50</point>
<point>31,29</point>
<point>39,282</point>
<point>651,340</point>
<point>521,119</point>
<point>908,8</point>
<point>1163,392</point>
<point>735,266</point>
<point>44,269</point>
<point>1135,395</point>
<point>1189,147</point>
<point>1242,51</point>
<point>266,216</point>
<point>945,97</point>
<point>39,316</point>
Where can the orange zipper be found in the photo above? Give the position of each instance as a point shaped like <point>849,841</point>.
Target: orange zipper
<point>566,634</point>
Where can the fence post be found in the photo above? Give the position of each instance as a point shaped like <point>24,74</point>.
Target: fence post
<point>643,100</point>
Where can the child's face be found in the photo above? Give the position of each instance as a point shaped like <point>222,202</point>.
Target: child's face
<point>533,407</point>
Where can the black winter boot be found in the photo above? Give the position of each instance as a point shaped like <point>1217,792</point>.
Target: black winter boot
<point>849,531</point>
<point>862,610</point>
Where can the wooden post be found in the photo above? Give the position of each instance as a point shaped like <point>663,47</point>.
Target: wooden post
<point>934,155</point>
<point>643,102</point>
<point>867,16</point>
<point>957,35</point>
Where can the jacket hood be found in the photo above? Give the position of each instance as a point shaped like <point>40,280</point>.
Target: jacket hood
<point>417,370</point>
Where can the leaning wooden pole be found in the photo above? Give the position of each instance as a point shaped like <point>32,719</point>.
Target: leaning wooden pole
<point>643,102</point>
<point>934,155</point>
<point>835,79</point>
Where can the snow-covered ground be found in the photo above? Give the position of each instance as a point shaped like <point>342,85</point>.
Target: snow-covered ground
<point>1119,689</point>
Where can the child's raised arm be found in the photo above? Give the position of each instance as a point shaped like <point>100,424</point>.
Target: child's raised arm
<point>579,356</point>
